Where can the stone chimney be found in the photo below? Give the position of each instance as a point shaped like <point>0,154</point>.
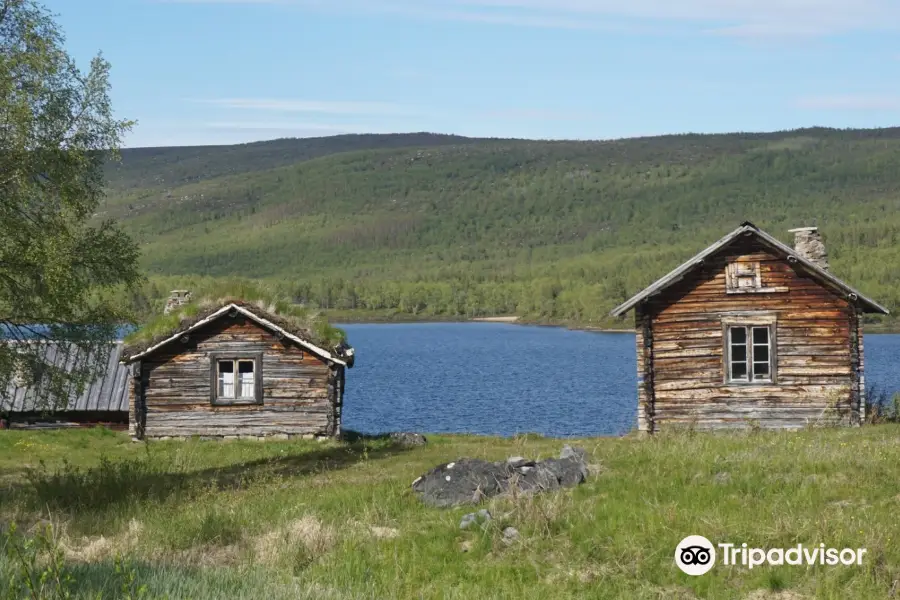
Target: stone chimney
<point>176,298</point>
<point>808,244</point>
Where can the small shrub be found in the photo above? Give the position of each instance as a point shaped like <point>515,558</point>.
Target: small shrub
<point>217,526</point>
<point>70,488</point>
<point>129,589</point>
<point>36,566</point>
<point>881,408</point>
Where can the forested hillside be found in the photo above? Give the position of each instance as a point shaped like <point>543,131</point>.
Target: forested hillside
<point>441,225</point>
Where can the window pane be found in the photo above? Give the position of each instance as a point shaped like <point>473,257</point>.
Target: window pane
<point>761,370</point>
<point>226,379</point>
<point>761,354</point>
<point>760,335</point>
<point>738,335</point>
<point>738,353</point>
<point>738,370</point>
<point>245,368</point>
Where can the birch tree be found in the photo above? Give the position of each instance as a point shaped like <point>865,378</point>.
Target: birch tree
<point>60,268</point>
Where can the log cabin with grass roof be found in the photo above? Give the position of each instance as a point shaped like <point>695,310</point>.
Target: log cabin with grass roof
<point>751,332</point>
<point>231,368</point>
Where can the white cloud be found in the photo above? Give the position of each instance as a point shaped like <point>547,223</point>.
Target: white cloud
<point>274,125</point>
<point>851,102</point>
<point>532,114</point>
<point>744,18</point>
<point>310,106</point>
<point>286,127</point>
<point>771,30</point>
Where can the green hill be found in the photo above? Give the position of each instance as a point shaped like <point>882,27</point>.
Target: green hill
<point>444,225</point>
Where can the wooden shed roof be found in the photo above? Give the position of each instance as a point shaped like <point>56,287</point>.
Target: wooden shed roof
<point>267,320</point>
<point>822,276</point>
<point>109,392</point>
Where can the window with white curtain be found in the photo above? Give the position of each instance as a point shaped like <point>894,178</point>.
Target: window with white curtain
<point>236,379</point>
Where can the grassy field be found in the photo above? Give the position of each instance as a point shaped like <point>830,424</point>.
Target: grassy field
<point>306,519</point>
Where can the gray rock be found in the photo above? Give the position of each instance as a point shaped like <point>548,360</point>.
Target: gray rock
<point>467,521</point>
<point>510,535</point>
<point>408,439</point>
<point>536,479</point>
<point>477,518</point>
<point>570,452</point>
<point>465,481</point>
<point>569,472</point>
<point>468,481</point>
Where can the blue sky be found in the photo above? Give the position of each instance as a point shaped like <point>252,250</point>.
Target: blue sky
<point>230,71</point>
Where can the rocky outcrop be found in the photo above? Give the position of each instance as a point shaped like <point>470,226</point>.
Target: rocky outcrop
<point>470,480</point>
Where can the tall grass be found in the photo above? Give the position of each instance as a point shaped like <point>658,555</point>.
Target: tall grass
<point>881,407</point>
<point>298,519</point>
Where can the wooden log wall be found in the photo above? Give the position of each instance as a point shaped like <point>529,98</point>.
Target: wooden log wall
<point>861,367</point>
<point>644,347</point>
<point>818,351</point>
<point>298,387</point>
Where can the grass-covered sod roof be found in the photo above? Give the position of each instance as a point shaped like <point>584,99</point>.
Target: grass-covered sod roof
<point>294,319</point>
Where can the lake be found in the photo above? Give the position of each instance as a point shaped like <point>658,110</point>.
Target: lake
<point>501,379</point>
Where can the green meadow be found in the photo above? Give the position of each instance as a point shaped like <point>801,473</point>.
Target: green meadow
<point>308,519</point>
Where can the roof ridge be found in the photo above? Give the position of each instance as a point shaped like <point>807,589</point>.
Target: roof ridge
<point>263,317</point>
<point>746,227</point>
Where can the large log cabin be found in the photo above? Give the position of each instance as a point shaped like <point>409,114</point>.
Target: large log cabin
<point>750,332</point>
<point>236,370</point>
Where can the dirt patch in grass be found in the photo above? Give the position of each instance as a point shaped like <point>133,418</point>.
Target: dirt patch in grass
<point>384,533</point>
<point>307,534</point>
<point>101,548</point>
<point>773,595</point>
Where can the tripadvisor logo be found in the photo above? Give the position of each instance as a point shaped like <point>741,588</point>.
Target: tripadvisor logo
<point>696,555</point>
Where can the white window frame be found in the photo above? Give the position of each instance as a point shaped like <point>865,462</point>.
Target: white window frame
<point>237,397</point>
<point>750,322</point>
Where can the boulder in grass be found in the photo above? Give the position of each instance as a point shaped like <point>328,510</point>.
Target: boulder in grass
<point>407,439</point>
<point>465,481</point>
<point>469,480</point>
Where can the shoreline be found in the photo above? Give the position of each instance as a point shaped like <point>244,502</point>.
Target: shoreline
<point>405,318</point>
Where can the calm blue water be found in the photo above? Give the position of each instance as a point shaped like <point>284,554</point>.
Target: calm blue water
<point>501,379</point>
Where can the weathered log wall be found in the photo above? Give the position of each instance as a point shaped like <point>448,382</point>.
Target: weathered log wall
<point>300,394</point>
<point>818,350</point>
<point>644,346</point>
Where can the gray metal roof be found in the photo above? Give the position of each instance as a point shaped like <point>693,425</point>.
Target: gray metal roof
<point>109,392</point>
<point>748,228</point>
